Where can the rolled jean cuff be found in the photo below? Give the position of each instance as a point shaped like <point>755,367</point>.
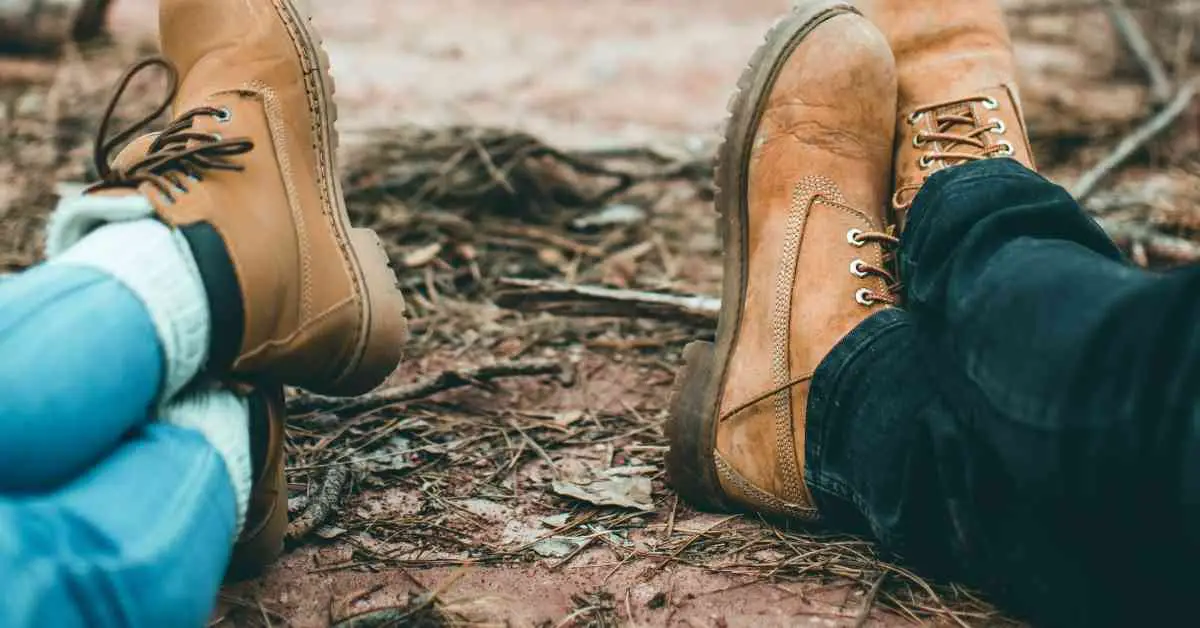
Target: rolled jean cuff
<point>827,402</point>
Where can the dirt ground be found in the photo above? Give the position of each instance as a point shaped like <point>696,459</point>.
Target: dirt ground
<point>618,71</point>
<point>457,506</point>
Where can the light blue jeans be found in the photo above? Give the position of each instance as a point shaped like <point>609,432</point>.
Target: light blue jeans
<point>106,518</point>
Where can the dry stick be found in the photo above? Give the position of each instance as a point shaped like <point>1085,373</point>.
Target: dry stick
<point>537,448</point>
<point>1170,248</point>
<point>322,504</point>
<point>1134,141</point>
<point>404,615</point>
<point>869,601</point>
<point>1122,18</point>
<point>567,300</point>
<point>447,380</point>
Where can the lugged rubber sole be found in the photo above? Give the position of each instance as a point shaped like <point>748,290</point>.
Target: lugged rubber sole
<point>692,422</point>
<point>383,329</point>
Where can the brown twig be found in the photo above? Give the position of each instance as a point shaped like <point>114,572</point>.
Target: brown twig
<point>407,615</point>
<point>568,300</point>
<point>1139,44</point>
<point>869,601</point>
<point>421,610</point>
<point>1158,123</point>
<point>322,504</point>
<point>447,380</point>
<point>1136,236</point>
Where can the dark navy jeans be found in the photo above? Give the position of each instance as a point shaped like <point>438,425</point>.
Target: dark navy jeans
<point>1030,421</point>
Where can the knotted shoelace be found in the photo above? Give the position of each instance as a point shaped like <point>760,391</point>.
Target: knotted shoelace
<point>957,139</point>
<point>177,155</point>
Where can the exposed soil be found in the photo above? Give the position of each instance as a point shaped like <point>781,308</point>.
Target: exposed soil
<point>451,516</point>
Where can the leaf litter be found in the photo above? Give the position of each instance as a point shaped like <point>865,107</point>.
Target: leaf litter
<point>518,433</point>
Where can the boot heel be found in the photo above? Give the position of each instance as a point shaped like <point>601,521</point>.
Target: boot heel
<point>252,557</point>
<point>692,428</point>
<point>386,329</point>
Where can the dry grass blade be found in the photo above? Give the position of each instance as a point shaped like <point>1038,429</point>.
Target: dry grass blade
<point>419,612</point>
<point>423,610</point>
<point>1135,38</point>
<point>1164,247</point>
<point>567,300</point>
<point>488,168</point>
<point>869,601</point>
<point>447,380</point>
<point>1154,126</point>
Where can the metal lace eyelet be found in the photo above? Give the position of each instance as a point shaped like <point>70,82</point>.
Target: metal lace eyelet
<point>925,162</point>
<point>865,297</point>
<point>1008,151</point>
<point>991,104</point>
<point>223,115</point>
<point>918,140</point>
<point>854,237</point>
<point>915,117</point>
<point>998,126</point>
<point>857,268</point>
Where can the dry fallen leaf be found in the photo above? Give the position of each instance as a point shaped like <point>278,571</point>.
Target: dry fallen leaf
<point>626,492</point>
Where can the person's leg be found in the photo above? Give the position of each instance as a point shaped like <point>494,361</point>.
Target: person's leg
<point>1031,424</point>
<point>143,538</point>
<point>86,340</point>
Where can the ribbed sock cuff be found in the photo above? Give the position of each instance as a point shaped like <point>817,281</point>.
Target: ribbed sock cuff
<point>154,262</point>
<point>224,420</point>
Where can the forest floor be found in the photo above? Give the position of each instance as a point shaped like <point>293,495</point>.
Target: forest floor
<point>479,487</point>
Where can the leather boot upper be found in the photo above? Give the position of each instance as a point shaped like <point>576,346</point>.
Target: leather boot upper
<point>957,85</point>
<point>243,76</point>
<point>817,182</point>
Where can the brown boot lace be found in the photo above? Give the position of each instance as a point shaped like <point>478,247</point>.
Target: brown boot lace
<point>859,268</point>
<point>958,139</point>
<point>177,154</point>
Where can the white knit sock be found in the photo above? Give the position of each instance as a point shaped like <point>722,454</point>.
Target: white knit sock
<point>118,236</point>
<point>224,420</point>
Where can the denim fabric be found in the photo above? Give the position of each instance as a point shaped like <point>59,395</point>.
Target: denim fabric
<point>80,367</point>
<point>1030,422</point>
<point>142,539</point>
<point>106,519</point>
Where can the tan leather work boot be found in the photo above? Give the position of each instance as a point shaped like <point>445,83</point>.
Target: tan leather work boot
<point>261,541</point>
<point>804,178</point>
<point>958,92</point>
<point>247,173</point>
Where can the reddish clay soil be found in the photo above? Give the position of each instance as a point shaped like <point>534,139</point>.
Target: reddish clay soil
<point>615,72</point>
<point>590,74</point>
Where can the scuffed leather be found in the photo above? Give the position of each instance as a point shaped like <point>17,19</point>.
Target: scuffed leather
<point>947,52</point>
<point>827,125</point>
<point>302,303</point>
